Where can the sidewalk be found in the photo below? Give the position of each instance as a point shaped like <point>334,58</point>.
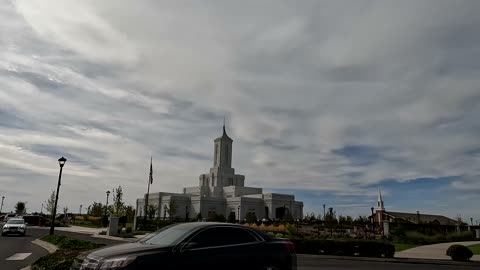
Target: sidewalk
<point>76,229</point>
<point>434,252</point>
<point>94,232</point>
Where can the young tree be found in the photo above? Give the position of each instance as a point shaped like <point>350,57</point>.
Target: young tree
<point>231,217</point>
<point>97,209</point>
<point>152,210</point>
<point>130,213</point>
<point>51,203</point>
<point>20,208</point>
<point>118,204</point>
<point>251,217</point>
<point>331,220</point>
<point>171,209</point>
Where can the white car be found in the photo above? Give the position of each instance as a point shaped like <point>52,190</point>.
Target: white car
<point>15,226</point>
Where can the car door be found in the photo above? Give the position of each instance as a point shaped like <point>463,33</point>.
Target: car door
<point>221,247</point>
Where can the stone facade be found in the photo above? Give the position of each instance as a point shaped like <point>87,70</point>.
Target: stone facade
<point>221,191</point>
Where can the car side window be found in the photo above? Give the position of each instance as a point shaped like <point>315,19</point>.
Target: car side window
<point>222,236</point>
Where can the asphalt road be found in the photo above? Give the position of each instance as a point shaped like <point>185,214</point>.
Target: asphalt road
<point>311,264</point>
<point>16,245</point>
<point>26,253</point>
<point>9,246</point>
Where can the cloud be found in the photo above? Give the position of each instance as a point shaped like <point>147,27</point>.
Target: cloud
<point>323,96</point>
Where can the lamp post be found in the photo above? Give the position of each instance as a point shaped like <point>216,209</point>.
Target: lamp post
<point>1,207</point>
<point>239,214</point>
<point>186,213</point>
<point>372,219</point>
<point>41,210</point>
<point>106,204</point>
<point>471,221</point>
<point>61,162</point>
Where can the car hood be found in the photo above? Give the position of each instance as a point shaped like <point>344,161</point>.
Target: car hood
<point>130,249</point>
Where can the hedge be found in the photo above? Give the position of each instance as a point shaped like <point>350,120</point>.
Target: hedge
<point>362,248</point>
<point>68,250</point>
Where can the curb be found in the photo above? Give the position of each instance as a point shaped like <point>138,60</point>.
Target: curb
<point>390,260</point>
<point>49,247</point>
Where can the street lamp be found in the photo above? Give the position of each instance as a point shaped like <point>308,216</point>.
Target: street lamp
<point>471,221</point>
<point>239,214</point>
<point>106,205</point>
<point>372,218</point>
<point>186,213</point>
<point>1,207</point>
<point>61,162</point>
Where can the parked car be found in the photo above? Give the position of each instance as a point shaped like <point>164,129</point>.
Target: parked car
<point>15,226</point>
<point>196,245</point>
<point>9,216</point>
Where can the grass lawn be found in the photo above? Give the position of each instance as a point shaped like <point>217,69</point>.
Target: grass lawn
<point>402,247</point>
<point>475,249</point>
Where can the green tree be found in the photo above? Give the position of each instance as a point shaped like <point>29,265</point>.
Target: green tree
<point>251,217</point>
<point>349,221</point>
<point>171,209</point>
<point>360,221</point>
<point>130,213</point>
<point>51,203</point>
<point>118,204</point>
<point>152,210</point>
<point>331,220</point>
<point>20,208</point>
<point>231,217</point>
<point>97,209</point>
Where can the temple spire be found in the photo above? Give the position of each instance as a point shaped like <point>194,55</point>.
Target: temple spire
<point>380,205</point>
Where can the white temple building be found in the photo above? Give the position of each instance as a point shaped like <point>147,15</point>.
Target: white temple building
<point>222,192</point>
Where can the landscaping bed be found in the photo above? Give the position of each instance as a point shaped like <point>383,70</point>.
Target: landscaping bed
<point>68,250</point>
<point>361,248</point>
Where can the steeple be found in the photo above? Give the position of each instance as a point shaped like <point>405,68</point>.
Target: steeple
<point>224,135</point>
<point>380,206</point>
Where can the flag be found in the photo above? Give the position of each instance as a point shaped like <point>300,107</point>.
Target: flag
<point>151,172</point>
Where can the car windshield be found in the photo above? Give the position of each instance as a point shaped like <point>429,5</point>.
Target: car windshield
<point>167,236</point>
<point>15,221</point>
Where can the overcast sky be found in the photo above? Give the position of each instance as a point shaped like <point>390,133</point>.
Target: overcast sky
<point>326,100</point>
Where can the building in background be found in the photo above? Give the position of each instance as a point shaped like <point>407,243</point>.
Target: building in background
<point>222,192</point>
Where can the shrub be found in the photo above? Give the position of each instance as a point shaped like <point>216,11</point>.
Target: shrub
<point>79,218</point>
<point>459,253</point>
<point>128,229</point>
<point>63,258</point>
<point>363,248</point>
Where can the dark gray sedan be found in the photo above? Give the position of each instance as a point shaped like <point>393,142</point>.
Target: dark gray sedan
<point>197,245</point>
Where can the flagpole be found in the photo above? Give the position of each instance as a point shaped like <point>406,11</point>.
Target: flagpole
<point>150,178</point>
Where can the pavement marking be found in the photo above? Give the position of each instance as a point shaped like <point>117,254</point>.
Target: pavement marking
<point>18,257</point>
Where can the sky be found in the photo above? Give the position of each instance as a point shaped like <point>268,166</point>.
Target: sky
<point>326,100</point>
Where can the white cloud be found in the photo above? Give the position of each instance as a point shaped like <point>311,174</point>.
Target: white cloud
<point>112,84</point>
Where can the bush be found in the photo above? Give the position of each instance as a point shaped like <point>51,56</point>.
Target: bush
<point>79,218</point>
<point>63,258</point>
<point>459,253</point>
<point>363,248</point>
<point>128,229</point>
<point>63,242</point>
<point>413,237</point>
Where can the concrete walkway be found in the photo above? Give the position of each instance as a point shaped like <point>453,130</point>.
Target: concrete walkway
<point>94,232</point>
<point>434,252</point>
